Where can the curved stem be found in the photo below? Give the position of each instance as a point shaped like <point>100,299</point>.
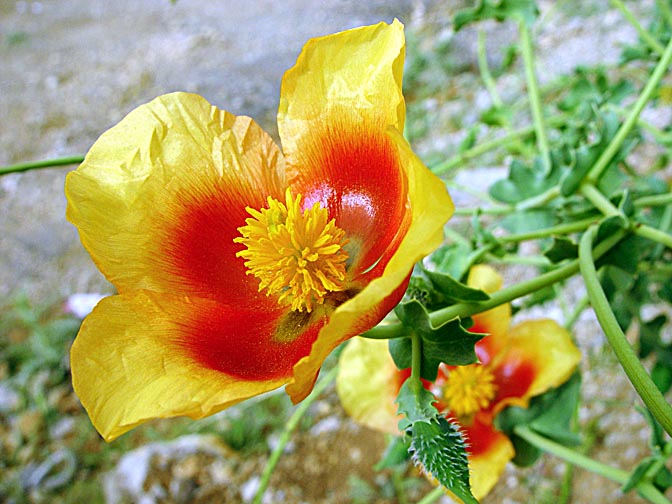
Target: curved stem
<point>291,425</point>
<point>463,310</point>
<point>645,488</point>
<point>36,165</point>
<point>633,368</point>
<point>533,93</point>
<point>615,144</point>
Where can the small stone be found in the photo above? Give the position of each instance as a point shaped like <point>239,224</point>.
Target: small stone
<point>10,399</point>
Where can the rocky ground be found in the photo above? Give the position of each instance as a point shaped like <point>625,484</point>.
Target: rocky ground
<point>69,70</point>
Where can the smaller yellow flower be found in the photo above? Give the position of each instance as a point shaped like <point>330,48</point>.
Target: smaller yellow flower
<point>515,365</point>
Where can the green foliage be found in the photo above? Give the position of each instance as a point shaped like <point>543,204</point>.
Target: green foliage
<point>449,342</point>
<point>501,10</point>
<point>435,444</point>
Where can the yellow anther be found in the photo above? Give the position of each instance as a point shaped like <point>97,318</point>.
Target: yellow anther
<point>297,255</point>
<point>469,389</point>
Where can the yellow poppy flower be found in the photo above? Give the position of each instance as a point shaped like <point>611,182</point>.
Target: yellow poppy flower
<point>239,267</point>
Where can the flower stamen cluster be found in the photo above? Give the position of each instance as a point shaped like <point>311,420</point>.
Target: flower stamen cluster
<point>297,255</point>
<point>469,389</point>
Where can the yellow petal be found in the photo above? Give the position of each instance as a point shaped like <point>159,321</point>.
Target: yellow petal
<point>160,196</point>
<point>494,322</point>
<point>539,355</point>
<point>368,384</point>
<point>134,360</point>
<point>430,207</point>
<point>359,70</point>
<point>487,467</point>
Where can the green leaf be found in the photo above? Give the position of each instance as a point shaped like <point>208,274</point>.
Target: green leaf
<point>528,220</point>
<point>449,342</point>
<point>435,290</point>
<point>496,116</point>
<point>549,414</point>
<point>524,182</point>
<point>416,403</point>
<point>562,248</point>
<point>438,446</point>
<point>453,259</point>
<point>518,10</point>
<point>453,290</point>
<point>470,140</point>
<point>638,473</point>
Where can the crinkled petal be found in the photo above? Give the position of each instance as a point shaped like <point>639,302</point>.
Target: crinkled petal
<point>144,355</point>
<point>539,355</point>
<point>430,207</point>
<point>367,384</point>
<point>160,196</point>
<point>359,70</point>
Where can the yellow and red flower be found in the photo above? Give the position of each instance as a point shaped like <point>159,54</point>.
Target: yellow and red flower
<point>515,364</point>
<point>239,266</point>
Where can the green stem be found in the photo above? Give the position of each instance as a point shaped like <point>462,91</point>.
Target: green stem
<point>603,161</point>
<point>580,306</point>
<point>539,200</point>
<point>433,496</point>
<point>633,368</point>
<point>654,200</point>
<point>484,147</point>
<point>599,200</point>
<point>486,76</point>
<point>645,488</point>
<point>653,44</point>
<point>416,362</point>
<point>291,425</point>
<point>654,234</point>
<point>463,310</point>
<point>659,135</point>
<point>532,260</point>
<point>560,229</point>
<point>35,165</point>
<point>533,93</point>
